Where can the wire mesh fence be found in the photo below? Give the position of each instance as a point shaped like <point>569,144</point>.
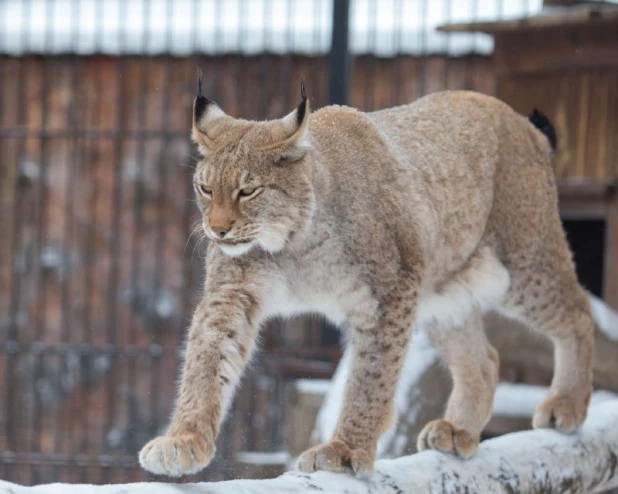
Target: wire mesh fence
<point>98,270</point>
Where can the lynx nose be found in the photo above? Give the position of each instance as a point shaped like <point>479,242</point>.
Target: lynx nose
<point>220,231</point>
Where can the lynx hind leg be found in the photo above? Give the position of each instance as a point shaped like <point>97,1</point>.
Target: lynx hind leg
<point>547,297</point>
<point>473,364</point>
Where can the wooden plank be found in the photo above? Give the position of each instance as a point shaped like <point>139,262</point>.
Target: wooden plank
<point>579,105</point>
<point>610,277</point>
<point>557,49</point>
<point>584,199</point>
<point>574,16</point>
<point>597,120</point>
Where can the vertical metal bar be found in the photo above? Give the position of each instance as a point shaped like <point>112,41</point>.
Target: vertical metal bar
<point>20,212</point>
<point>10,254</point>
<point>112,319</point>
<point>287,57</point>
<point>218,58</point>
<point>139,198</point>
<point>265,64</point>
<point>91,234</point>
<point>162,167</point>
<point>74,123</point>
<point>339,60</point>
<point>42,217</point>
<point>139,189</point>
<point>240,61</point>
<point>316,66</point>
<point>187,265</point>
<point>471,59</point>
<point>398,80</point>
<point>422,73</point>
<point>447,46</point>
<point>372,8</point>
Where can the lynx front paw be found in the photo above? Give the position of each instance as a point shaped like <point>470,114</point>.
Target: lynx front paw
<point>562,412</point>
<point>336,456</point>
<point>176,455</point>
<point>441,435</point>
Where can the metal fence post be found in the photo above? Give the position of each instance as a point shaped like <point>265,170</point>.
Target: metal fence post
<point>339,59</point>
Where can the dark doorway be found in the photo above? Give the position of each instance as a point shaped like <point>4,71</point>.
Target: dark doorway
<point>587,240</point>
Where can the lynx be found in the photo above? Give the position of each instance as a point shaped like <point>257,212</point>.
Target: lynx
<point>422,216</point>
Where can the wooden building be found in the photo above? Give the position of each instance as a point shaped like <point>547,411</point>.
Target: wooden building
<point>565,62</point>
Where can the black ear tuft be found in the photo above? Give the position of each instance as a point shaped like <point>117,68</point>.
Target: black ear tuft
<point>302,108</point>
<point>201,101</point>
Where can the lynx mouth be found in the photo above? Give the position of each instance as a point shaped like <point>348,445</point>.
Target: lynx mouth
<point>233,242</point>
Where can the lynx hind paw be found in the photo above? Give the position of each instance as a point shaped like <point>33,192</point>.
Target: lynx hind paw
<point>561,412</point>
<point>443,436</point>
<point>336,456</point>
<point>176,455</point>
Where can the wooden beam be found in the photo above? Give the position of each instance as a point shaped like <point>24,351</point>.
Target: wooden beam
<point>578,15</point>
<point>557,49</point>
<point>610,276</point>
<point>585,199</point>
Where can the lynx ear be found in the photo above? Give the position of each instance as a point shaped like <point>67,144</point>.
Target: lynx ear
<point>296,143</point>
<point>205,113</point>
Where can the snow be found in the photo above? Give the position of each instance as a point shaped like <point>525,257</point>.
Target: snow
<point>521,400</point>
<point>605,317</point>
<point>313,386</point>
<point>531,461</point>
<point>183,27</point>
<point>263,458</point>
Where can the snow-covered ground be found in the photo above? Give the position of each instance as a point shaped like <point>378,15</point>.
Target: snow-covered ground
<point>524,462</point>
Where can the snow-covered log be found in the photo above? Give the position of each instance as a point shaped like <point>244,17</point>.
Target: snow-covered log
<point>538,461</point>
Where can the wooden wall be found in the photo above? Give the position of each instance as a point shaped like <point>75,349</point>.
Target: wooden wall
<point>572,74</point>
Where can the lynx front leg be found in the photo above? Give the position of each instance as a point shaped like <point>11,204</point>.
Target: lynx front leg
<point>473,363</point>
<point>379,340</point>
<point>220,341</point>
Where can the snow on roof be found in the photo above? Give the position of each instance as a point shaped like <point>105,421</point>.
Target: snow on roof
<point>184,27</point>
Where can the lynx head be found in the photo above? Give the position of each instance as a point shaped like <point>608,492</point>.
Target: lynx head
<point>253,184</point>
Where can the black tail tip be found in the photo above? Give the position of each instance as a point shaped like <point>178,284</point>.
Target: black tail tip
<point>541,122</point>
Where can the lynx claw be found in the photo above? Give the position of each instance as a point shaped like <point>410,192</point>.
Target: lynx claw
<point>442,436</point>
<point>176,455</point>
<point>336,456</point>
<point>561,412</point>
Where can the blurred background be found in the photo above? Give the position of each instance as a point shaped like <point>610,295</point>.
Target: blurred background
<point>98,274</point>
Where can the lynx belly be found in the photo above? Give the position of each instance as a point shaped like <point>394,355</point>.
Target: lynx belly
<point>482,284</point>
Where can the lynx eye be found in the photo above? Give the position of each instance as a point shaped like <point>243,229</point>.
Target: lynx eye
<point>249,192</point>
<point>205,190</point>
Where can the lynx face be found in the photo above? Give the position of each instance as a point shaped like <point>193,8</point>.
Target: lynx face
<point>253,185</point>
<point>248,199</point>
